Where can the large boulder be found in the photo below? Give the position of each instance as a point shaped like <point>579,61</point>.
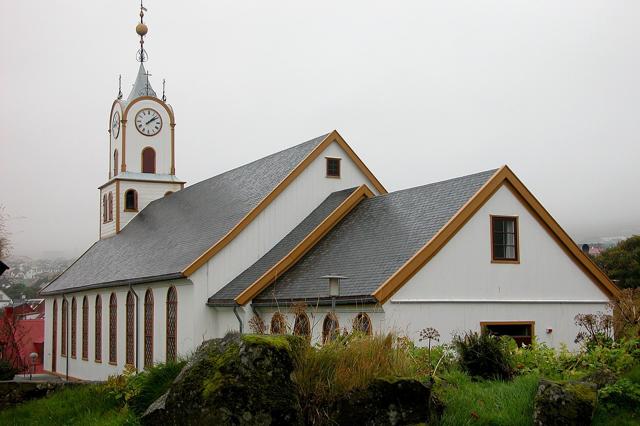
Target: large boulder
<point>385,402</point>
<point>564,403</point>
<point>239,380</point>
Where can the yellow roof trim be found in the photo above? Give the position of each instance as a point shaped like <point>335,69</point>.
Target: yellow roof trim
<point>504,176</point>
<point>305,245</point>
<point>245,221</point>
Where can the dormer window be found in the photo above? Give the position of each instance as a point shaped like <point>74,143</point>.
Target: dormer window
<point>504,239</point>
<point>131,200</point>
<point>148,160</point>
<point>333,167</point>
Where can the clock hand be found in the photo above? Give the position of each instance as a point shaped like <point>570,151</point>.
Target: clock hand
<point>150,120</point>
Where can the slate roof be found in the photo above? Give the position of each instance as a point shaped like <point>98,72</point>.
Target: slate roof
<point>141,87</point>
<point>172,232</point>
<point>373,241</point>
<point>226,295</point>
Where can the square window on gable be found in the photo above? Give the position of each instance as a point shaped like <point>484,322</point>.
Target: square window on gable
<point>504,239</point>
<point>333,167</point>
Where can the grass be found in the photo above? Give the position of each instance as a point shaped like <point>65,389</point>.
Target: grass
<point>82,405</point>
<point>470,402</point>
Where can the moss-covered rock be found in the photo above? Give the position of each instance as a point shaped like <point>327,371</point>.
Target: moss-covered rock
<point>239,379</point>
<point>385,402</point>
<point>564,403</point>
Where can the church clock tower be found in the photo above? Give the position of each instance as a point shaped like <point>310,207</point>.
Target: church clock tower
<point>141,150</point>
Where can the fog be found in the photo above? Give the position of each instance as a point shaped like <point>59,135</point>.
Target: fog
<point>422,90</point>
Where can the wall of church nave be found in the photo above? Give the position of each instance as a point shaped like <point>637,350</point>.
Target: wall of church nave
<point>93,369</point>
<point>456,318</point>
<point>285,212</point>
<point>135,141</point>
<point>345,314</point>
<point>146,193</point>
<point>107,228</point>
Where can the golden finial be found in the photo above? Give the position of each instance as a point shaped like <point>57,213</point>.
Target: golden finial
<point>141,30</point>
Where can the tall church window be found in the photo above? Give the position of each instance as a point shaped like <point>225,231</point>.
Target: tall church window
<point>54,336</point>
<point>74,327</point>
<point>131,200</point>
<point>115,162</point>
<point>63,343</point>
<point>302,327</point>
<point>104,208</point>
<point>98,326</point>
<point>148,160</point>
<point>110,206</point>
<point>330,328</point>
<point>278,324</point>
<point>362,323</point>
<point>172,324</point>
<point>131,305</point>
<point>85,328</point>
<point>148,328</point>
<point>113,329</point>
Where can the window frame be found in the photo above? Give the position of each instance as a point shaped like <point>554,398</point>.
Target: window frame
<point>113,329</point>
<point>130,312</point>
<point>278,324</point>
<point>484,324</point>
<point>97,323</point>
<point>327,334</point>
<point>360,319</point>
<point>110,206</point>
<point>339,162</point>
<point>516,220</point>
<point>148,328</point>
<point>74,327</point>
<point>155,157</point>
<point>135,200</point>
<point>302,326</point>
<point>85,328</point>
<point>171,339</point>
<point>65,320</point>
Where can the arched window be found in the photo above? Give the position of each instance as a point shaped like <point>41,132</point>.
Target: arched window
<point>65,312</point>
<point>110,206</point>
<point>148,160</point>
<point>278,324</point>
<point>115,162</point>
<point>330,328</point>
<point>168,193</point>
<point>74,326</point>
<point>104,208</point>
<point>302,326</point>
<point>85,328</point>
<point>362,323</point>
<point>54,337</point>
<point>172,324</point>
<point>113,329</point>
<point>148,328</point>
<point>131,306</point>
<point>131,200</point>
<point>98,326</point>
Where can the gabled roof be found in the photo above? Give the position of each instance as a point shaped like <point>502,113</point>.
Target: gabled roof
<point>171,233</point>
<point>374,240</point>
<point>226,295</point>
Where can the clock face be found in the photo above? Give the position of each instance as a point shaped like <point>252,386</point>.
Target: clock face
<point>148,122</point>
<point>115,125</point>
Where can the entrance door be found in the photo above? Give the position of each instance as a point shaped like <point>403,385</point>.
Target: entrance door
<point>54,336</point>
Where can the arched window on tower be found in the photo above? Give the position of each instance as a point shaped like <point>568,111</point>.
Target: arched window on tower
<point>148,329</point>
<point>172,324</point>
<point>131,305</point>
<point>115,162</point>
<point>131,200</point>
<point>148,160</point>
<point>74,327</point>
<point>113,329</point>
<point>104,208</point>
<point>85,328</point>
<point>98,326</point>
<point>110,206</point>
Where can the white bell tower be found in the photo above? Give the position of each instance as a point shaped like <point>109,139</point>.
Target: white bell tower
<point>141,150</point>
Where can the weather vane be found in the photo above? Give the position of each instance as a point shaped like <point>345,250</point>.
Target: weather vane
<point>119,86</point>
<point>164,97</point>
<point>142,30</point>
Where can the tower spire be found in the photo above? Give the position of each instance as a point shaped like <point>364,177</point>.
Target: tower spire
<point>141,30</point>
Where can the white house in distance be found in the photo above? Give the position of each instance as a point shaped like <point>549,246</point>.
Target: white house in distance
<point>175,266</point>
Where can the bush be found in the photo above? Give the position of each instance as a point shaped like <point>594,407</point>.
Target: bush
<point>484,355</point>
<point>622,394</point>
<point>7,371</point>
<point>151,384</point>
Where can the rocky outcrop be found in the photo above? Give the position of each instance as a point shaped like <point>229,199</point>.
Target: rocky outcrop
<point>385,402</point>
<point>564,403</point>
<point>239,380</point>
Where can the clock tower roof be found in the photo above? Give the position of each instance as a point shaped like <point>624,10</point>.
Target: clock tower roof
<point>142,86</point>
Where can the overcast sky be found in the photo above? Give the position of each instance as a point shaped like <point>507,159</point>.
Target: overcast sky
<point>422,90</point>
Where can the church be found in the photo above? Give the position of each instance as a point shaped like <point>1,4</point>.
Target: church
<point>304,241</point>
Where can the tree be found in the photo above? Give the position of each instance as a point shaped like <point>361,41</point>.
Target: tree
<point>622,262</point>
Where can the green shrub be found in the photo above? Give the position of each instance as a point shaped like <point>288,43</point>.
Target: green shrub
<point>484,355</point>
<point>151,384</point>
<point>7,371</point>
<point>622,394</point>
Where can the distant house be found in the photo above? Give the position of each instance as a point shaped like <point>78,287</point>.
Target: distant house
<point>22,333</point>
